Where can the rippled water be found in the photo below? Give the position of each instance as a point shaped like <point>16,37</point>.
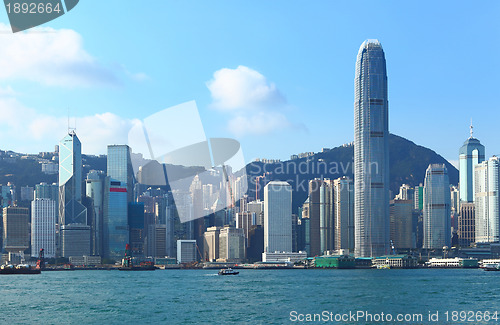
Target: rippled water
<point>252,297</point>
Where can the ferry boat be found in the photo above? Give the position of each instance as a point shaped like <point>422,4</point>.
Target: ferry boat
<point>491,267</point>
<point>18,269</point>
<point>383,266</point>
<point>228,271</point>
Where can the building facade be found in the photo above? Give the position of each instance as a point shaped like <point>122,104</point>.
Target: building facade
<point>487,203</point>
<point>471,153</point>
<point>278,217</point>
<point>43,227</point>
<point>344,214</point>
<point>371,152</point>
<point>71,210</point>
<point>437,210</point>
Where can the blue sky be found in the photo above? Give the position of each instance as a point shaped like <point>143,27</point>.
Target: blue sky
<point>276,75</point>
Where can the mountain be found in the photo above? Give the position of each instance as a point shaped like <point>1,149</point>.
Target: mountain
<point>408,162</point>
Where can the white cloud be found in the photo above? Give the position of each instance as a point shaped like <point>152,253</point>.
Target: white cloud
<point>254,103</point>
<point>51,57</point>
<point>257,124</point>
<point>23,129</point>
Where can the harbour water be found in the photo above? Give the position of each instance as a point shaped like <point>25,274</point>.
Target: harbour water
<point>252,297</point>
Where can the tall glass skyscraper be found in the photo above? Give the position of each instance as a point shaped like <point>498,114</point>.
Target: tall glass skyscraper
<point>470,154</point>
<point>115,218</point>
<point>120,168</point>
<point>487,191</point>
<point>71,210</point>
<point>371,152</point>
<point>437,210</point>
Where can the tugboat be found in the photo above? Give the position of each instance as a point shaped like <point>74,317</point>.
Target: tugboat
<point>228,271</point>
<point>127,264</point>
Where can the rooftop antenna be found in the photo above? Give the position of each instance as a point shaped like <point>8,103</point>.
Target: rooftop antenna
<point>471,128</point>
<point>71,130</point>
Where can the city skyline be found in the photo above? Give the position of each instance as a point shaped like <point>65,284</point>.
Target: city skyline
<point>116,88</point>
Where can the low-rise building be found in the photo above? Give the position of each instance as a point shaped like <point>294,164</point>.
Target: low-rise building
<point>283,256</point>
<point>396,261</point>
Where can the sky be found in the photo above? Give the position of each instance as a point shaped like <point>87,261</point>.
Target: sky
<point>278,75</point>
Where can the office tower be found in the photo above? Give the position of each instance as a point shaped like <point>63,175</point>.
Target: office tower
<point>136,226</point>
<point>157,240</point>
<point>486,189</point>
<point>371,152</point>
<point>466,224</point>
<point>255,243</point>
<point>231,244</point>
<point>119,167</point>
<point>277,217</point>
<point>256,208</point>
<point>94,192</point>
<point>15,229</point>
<point>244,221</point>
<point>71,210</point>
<point>43,227</point>
<point>186,251</point>
<point>306,224</point>
<point>75,240</point>
<point>27,193</point>
<point>437,211</point>
<point>211,244</point>
<point>47,191</point>
<point>401,224</point>
<point>344,213</point>
<point>115,219</point>
<point>471,153</point>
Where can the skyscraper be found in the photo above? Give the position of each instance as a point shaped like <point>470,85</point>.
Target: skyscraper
<point>115,218</point>
<point>119,167</point>
<point>277,217</point>
<point>437,210</point>
<point>371,152</point>
<point>15,229</point>
<point>487,200</point>
<point>94,191</point>
<point>470,154</point>
<point>71,210</point>
<point>321,215</point>
<point>344,214</point>
<point>43,227</point>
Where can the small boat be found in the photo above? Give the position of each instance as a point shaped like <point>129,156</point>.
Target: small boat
<point>228,271</point>
<point>492,267</point>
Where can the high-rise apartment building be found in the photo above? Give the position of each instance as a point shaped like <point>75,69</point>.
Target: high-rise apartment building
<point>371,152</point>
<point>278,217</point>
<point>343,207</point>
<point>437,210</point>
